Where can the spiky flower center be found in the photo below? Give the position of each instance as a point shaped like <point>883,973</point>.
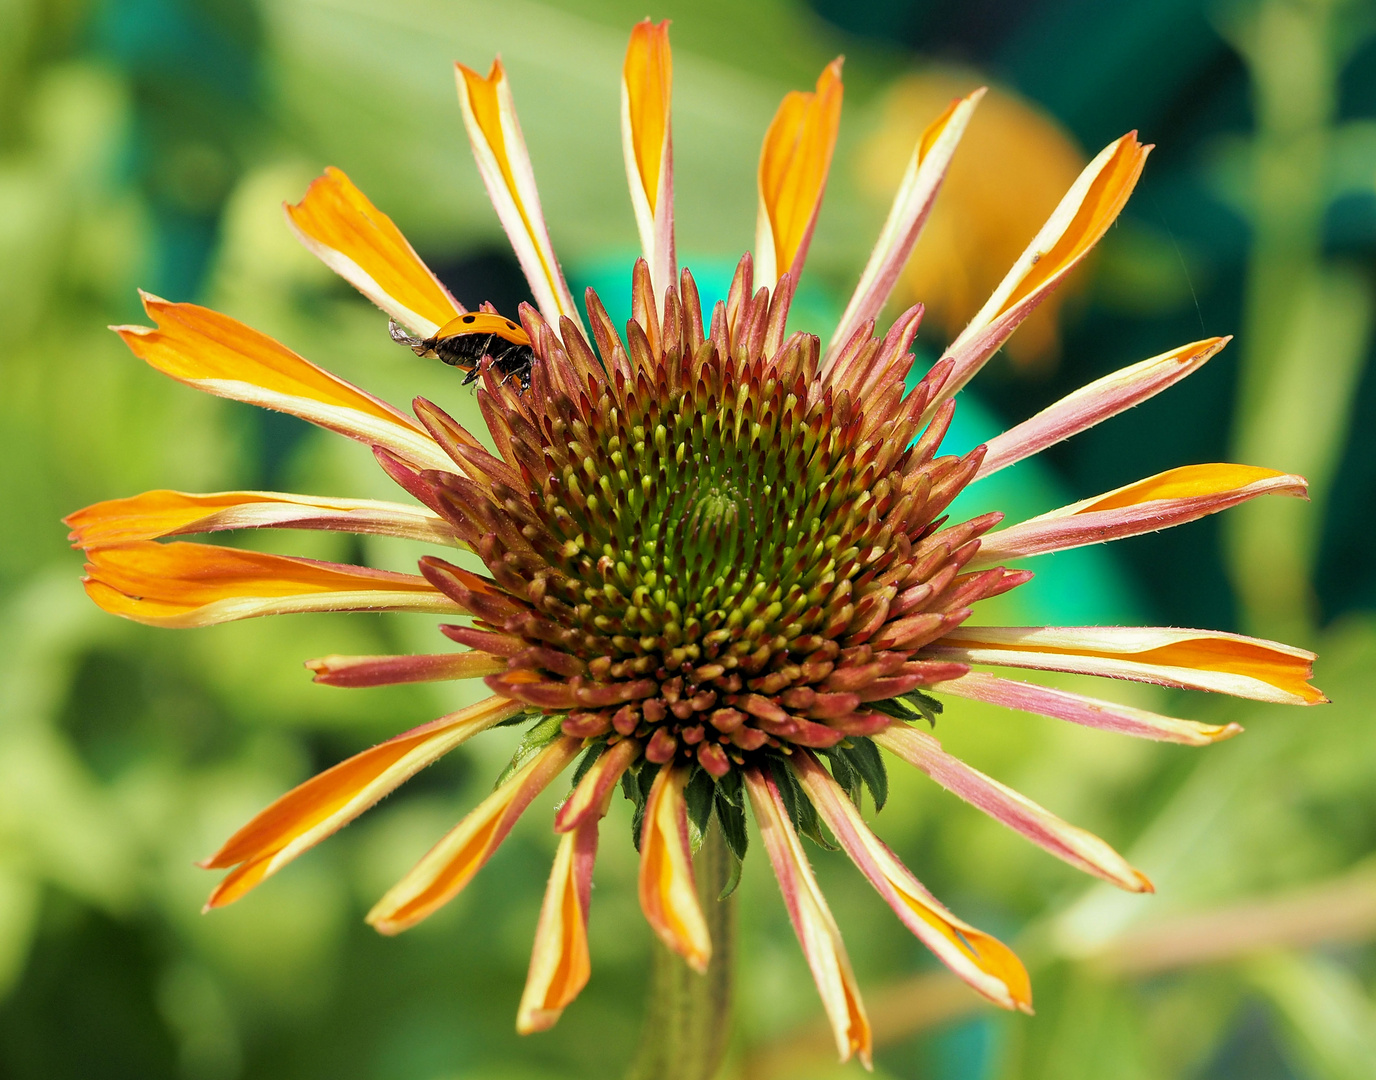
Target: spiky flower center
<point>721,552</point>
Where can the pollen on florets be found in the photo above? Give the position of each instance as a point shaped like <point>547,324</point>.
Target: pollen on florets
<point>708,543</point>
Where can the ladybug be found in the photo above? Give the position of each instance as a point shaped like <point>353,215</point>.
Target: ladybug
<point>463,342</point>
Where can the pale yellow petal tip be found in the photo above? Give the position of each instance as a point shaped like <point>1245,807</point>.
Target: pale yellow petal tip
<point>1144,884</point>
<point>1221,732</point>
<point>537,1020</point>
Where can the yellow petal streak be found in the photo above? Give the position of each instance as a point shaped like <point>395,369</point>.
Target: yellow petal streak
<point>794,163</point>
<point>155,514</point>
<point>222,356</point>
<point>500,150</point>
<point>325,803</point>
<point>812,921</point>
<point>450,865</point>
<point>559,963</point>
<point>667,893</point>
<point>183,585</point>
<point>1199,659</point>
<point>356,240</point>
<point>1186,482</point>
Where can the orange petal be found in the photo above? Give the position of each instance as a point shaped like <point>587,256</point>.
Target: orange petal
<point>911,205</point>
<point>668,896</point>
<point>794,163</point>
<point>326,803</point>
<point>156,514</point>
<point>559,963</point>
<point>990,967</point>
<point>358,242</point>
<point>1193,659</point>
<point>1158,502</point>
<point>1090,206</point>
<point>647,141</point>
<point>590,797</point>
<point>182,585</point>
<point>504,164</point>
<point>450,865</point>
<point>222,356</point>
<point>812,922</point>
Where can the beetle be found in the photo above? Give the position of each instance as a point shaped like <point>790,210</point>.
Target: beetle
<point>462,342</point>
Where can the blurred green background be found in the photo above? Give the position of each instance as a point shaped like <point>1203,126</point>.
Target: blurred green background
<point>150,142</point>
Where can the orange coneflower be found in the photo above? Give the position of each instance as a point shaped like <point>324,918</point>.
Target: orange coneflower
<point>718,567</point>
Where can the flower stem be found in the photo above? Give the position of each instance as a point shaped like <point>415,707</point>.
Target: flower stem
<point>687,1015</point>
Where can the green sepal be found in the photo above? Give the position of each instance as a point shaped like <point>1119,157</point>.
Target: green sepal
<point>735,877</point>
<point>731,817</point>
<point>864,757</point>
<point>697,793</point>
<point>731,788</point>
<point>519,718</point>
<point>586,762</point>
<point>800,809</point>
<point>534,740</point>
<point>844,773</point>
<point>636,783</point>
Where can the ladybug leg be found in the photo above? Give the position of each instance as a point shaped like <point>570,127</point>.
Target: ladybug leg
<point>417,345</point>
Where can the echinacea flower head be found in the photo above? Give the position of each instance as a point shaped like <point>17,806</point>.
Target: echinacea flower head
<point>720,576</point>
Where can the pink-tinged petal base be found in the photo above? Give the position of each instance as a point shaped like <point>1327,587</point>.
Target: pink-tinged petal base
<point>1078,709</point>
<point>1095,403</point>
<point>356,671</point>
<point>911,205</point>
<point>812,921</point>
<point>668,896</point>
<point>985,963</point>
<point>1076,846</point>
<point>450,865</point>
<point>1158,502</point>
<point>1190,659</point>
<point>326,803</point>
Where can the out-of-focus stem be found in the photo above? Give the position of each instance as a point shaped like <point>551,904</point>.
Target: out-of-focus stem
<point>687,1015</point>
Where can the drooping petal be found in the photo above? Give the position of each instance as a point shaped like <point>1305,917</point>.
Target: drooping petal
<point>504,164</point>
<point>794,163</point>
<point>222,356</point>
<point>450,865</point>
<point>1079,848</point>
<point>559,963</point>
<point>1079,709</point>
<point>338,225</point>
<point>1090,206</point>
<point>156,514</point>
<point>668,896</point>
<point>647,79</point>
<point>990,967</point>
<point>358,671</point>
<point>811,918</point>
<point>1095,403</point>
<point>593,791</point>
<point>183,585</point>
<point>326,803</point>
<point>911,205</point>
<point>1192,659</point>
<point>1170,498</point>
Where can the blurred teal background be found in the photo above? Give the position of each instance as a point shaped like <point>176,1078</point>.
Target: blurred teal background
<point>150,143</point>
